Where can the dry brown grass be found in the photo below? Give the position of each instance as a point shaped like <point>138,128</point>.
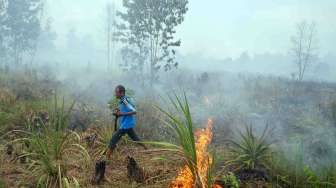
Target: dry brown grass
<point>159,172</point>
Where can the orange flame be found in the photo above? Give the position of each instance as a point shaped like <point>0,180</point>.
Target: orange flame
<point>185,178</point>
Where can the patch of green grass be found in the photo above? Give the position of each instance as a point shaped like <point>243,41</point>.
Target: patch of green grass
<point>230,180</point>
<point>70,183</point>
<point>52,149</point>
<point>2,184</point>
<point>290,170</point>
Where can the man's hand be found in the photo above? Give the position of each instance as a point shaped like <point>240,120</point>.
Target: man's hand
<point>117,113</point>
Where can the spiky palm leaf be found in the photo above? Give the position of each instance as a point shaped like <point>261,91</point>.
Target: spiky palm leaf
<point>250,151</point>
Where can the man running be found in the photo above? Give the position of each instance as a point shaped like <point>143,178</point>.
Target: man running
<point>126,113</point>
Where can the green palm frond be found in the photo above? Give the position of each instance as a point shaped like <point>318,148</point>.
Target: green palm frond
<point>250,151</point>
<point>182,125</point>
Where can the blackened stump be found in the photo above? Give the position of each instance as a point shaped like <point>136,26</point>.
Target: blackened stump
<point>99,172</point>
<point>134,172</point>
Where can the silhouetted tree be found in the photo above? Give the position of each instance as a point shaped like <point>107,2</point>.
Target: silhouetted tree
<point>147,29</point>
<point>3,31</point>
<point>110,30</point>
<point>304,47</point>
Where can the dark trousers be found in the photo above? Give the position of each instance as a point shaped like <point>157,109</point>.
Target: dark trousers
<point>120,133</point>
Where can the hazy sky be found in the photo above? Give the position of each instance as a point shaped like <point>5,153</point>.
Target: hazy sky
<point>217,28</point>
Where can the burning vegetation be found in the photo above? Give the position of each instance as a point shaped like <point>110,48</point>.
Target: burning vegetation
<point>186,178</point>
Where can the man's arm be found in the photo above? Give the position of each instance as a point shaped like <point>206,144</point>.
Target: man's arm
<point>126,113</point>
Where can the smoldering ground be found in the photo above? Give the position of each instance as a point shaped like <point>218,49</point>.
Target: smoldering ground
<point>299,116</point>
